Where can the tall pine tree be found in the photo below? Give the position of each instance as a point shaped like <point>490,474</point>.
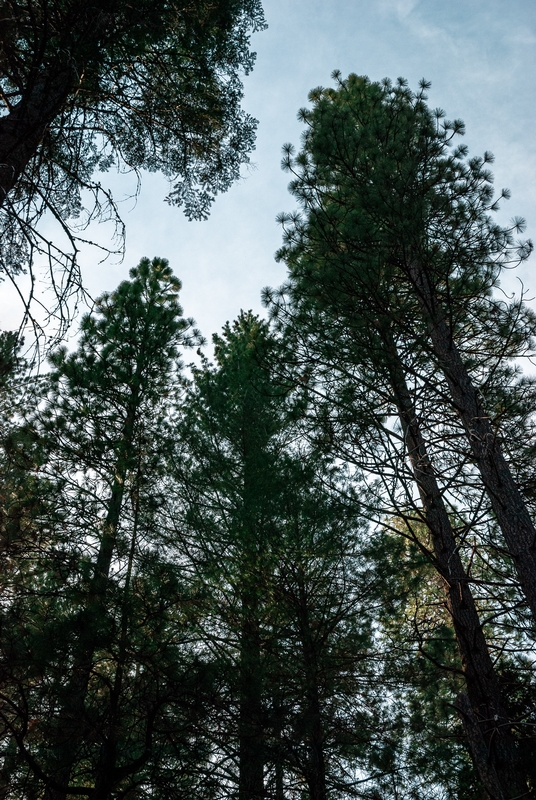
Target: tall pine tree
<point>379,194</point>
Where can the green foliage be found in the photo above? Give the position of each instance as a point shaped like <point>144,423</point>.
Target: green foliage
<point>230,585</point>
<point>392,248</point>
<point>158,81</point>
<point>423,669</point>
<point>87,87</point>
<point>381,189</point>
<point>94,662</point>
<point>285,591</point>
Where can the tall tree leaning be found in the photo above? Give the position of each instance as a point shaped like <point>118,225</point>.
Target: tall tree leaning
<point>344,275</point>
<point>355,343</point>
<point>419,213</point>
<point>492,747</point>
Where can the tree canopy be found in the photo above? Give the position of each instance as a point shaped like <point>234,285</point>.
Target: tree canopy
<point>307,569</point>
<point>393,258</point>
<point>86,87</point>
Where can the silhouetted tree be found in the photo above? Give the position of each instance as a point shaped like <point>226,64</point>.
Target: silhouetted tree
<point>87,86</point>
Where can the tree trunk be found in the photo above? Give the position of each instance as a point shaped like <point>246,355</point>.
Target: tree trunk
<point>70,724</point>
<point>314,729</point>
<point>106,771</point>
<point>251,751</point>
<point>23,128</point>
<point>485,714</point>
<point>506,500</point>
<point>279,749</point>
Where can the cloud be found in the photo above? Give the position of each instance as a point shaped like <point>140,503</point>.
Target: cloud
<point>522,36</point>
<point>402,8</point>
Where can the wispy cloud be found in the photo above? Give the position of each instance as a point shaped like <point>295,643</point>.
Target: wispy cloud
<point>522,36</point>
<point>402,8</point>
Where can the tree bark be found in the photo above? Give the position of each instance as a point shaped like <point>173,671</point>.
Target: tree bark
<point>485,715</point>
<point>279,749</point>
<point>506,500</point>
<point>106,771</point>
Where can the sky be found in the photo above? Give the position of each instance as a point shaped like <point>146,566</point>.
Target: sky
<point>479,56</point>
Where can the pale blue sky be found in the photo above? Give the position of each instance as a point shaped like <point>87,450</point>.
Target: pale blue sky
<point>480,57</point>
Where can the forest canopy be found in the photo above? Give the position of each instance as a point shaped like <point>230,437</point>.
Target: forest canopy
<point>306,568</point>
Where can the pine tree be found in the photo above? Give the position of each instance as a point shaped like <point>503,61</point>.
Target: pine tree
<point>283,587</point>
<point>375,185</point>
<point>104,676</point>
<point>415,218</point>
